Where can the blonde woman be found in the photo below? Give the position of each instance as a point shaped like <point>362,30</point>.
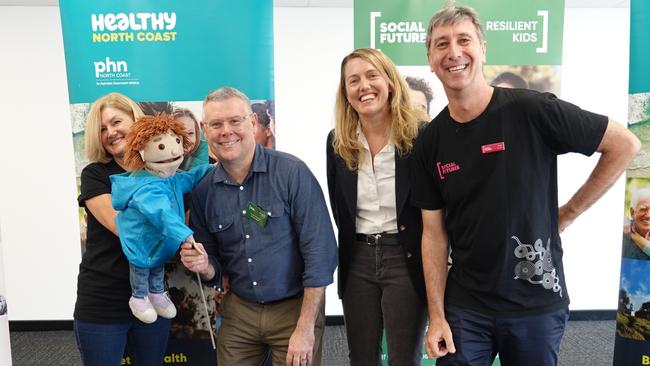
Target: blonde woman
<point>103,322</point>
<point>368,174</point>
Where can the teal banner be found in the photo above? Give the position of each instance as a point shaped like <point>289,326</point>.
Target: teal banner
<point>167,55</point>
<point>167,50</point>
<point>632,345</point>
<point>639,47</point>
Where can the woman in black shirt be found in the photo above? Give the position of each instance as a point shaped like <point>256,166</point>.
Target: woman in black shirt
<point>103,323</point>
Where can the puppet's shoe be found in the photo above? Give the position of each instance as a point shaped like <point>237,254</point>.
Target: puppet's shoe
<point>163,305</point>
<point>142,309</point>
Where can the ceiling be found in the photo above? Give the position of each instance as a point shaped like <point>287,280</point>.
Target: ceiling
<point>345,3</point>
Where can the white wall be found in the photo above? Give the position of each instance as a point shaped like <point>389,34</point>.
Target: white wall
<point>5,345</point>
<point>37,188</point>
<point>595,77</point>
<point>40,235</point>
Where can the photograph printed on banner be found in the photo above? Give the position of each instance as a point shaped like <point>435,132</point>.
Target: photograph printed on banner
<point>636,223</point>
<point>426,91</point>
<point>428,95</point>
<point>633,314</point>
<point>542,78</point>
<point>191,321</point>
<point>639,124</point>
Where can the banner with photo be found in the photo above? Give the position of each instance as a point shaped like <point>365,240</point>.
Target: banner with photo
<point>167,56</point>
<point>632,345</point>
<point>524,47</point>
<point>524,42</point>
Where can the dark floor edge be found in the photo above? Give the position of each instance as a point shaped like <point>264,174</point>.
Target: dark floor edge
<point>51,325</point>
<point>39,325</point>
<point>334,320</point>
<point>592,315</point>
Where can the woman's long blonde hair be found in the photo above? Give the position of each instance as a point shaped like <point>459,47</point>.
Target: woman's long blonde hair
<point>402,117</point>
<point>93,141</point>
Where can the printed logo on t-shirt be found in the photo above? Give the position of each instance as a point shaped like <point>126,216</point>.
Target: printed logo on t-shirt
<point>536,265</point>
<point>446,168</point>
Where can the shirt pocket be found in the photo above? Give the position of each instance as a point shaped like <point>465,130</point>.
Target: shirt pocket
<point>226,234</point>
<point>278,227</point>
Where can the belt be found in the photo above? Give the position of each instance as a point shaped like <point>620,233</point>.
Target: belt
<point>299,294</point>
<point>378,239</point>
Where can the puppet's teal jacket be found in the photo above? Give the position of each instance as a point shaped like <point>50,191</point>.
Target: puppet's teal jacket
<point>151,218</point>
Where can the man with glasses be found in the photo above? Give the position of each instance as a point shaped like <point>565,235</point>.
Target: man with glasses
<point>262,217</point>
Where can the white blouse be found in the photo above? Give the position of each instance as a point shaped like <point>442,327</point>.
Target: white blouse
<point>376,202</point>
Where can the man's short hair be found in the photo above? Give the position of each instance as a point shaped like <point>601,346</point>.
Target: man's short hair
<point>225,93</point>
<point>262,116</point>
<point>511,78</point>
<point>421,85</point>
<point>452,14</point>
<point>638,195</point>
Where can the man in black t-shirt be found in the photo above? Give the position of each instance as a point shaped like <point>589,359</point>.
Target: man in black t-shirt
<point>486,180</point>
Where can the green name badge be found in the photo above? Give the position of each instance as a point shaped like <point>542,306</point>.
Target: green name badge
<point>256,214</point>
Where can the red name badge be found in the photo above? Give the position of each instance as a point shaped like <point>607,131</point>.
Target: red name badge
<point>492,148</point>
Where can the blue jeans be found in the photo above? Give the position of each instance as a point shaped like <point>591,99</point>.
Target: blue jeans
<point>104,344</point>
<point>519,340</point>
<point>146,280</point>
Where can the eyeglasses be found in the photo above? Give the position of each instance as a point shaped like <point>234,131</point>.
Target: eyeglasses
<point>234,122</point>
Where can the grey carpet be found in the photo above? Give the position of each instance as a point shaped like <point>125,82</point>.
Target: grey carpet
<point>585,343</point>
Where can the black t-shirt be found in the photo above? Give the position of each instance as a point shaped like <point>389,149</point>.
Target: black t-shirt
<point>496,178</point>
<point>103,288</point>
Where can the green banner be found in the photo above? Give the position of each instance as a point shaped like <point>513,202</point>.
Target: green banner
<point>524,48</point>
<point>518,32</point>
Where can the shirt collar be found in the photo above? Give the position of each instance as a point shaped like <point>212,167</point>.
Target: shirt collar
<point>389,148</point>
<point>259,165</point>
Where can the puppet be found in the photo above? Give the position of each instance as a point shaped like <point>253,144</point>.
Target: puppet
<point>151,218</point>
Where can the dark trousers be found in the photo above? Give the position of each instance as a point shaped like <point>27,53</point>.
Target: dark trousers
<point>379,294</point>
<point>519,341</point>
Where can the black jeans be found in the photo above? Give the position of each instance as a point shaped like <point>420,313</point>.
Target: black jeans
<point>379,293</point>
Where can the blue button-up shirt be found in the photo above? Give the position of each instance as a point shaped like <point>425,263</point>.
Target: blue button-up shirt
<point>295,249</point>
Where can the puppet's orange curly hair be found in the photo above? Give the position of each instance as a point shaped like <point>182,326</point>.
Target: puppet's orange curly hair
<point>143,129</point>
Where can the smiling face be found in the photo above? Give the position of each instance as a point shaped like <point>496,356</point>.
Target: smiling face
<point>641,216</point>
<point>366,89</point>
<point>115,126</point>
<point>456,55</point>
<point>163,154</point>
<point>190,127</point>
<point>229,127</point>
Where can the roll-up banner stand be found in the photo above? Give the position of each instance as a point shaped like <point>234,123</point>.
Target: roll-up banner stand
<point>167,55</point>
<point>524,39</point>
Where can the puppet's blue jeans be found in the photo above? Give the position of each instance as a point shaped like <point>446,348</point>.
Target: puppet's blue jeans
<point>146,280</point>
